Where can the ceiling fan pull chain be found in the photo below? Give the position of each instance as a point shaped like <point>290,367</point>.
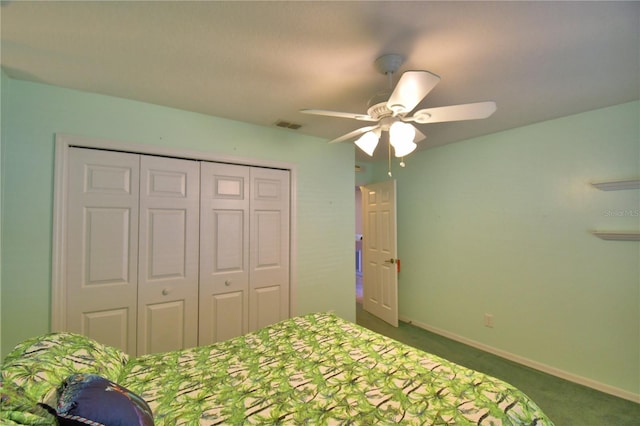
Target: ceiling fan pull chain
<point>389,173</point>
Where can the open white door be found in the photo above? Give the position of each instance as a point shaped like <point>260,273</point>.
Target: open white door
<point>380,274</point>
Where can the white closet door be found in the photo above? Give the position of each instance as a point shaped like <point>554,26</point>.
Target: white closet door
<point>269,247</point>
<point>102,246</point>
<point>168,256</point>
<point>224,245</point>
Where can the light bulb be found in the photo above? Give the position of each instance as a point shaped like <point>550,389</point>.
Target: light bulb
<point>401,138</point>
<point>404,149</point>
<point>368,142</point>
<point>400,133</point>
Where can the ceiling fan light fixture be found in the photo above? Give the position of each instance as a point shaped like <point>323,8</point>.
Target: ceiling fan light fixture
<point>401,137</point>
<point>404,148</point>
<point>368,142</point>
<point>400,132</point>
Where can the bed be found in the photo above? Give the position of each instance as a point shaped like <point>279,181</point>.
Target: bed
<point>311,369</point>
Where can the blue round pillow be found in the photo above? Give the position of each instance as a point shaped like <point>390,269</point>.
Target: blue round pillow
<point>89,399</point>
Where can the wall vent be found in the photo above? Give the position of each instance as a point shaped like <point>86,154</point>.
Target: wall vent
<point>288,125</point>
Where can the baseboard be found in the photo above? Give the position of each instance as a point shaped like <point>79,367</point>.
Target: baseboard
<point>612,390</point>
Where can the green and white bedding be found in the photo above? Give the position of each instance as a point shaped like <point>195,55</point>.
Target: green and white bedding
<point>313,369</point>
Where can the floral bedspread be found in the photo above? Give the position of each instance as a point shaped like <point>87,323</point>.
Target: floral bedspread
<point>320,369</point>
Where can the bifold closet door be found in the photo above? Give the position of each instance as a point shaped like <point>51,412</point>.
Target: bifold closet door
<point>132,250</point>
<point>102,246</point>
<point>244,249</point>
<point>269,247</point>
<point>224,251</point>
<point>168,254</point>
<point>164,253</point>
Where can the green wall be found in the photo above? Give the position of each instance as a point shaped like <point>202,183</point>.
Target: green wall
<point>497,224</point>
<point>33,113</point>
<point>501,224</point>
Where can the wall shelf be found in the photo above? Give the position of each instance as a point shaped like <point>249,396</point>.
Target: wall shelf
<point>616,185</point>
<point>618,236</point>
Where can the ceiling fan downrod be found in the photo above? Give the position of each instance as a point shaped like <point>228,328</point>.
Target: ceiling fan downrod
<point>388,65</point>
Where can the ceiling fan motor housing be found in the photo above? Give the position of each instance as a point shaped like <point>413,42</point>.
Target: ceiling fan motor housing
<point>378,107</point>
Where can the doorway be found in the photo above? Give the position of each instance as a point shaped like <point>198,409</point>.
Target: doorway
<point>379,250</point>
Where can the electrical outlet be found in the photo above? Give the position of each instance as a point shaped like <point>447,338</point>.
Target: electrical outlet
<point>488,320</point>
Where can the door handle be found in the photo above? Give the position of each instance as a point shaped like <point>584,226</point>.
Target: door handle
<point>392,261</point>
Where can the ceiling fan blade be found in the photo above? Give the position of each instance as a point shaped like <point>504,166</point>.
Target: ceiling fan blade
<point>410,90</point>
<point>474,111</point>
<point>350,135</point>
<point>362,117</point>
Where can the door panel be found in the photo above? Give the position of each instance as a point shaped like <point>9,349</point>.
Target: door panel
<point>166,328</point>
<point>102,246</point>
<point>224,246</point>
<point>169,244</point>
<point>269,255</point>
<point>229,236</point>
<point>107,241</point>
<point>268,240</point>
<point>267,305</point>
<point>226,318</point>
<point>109,327</point>
<point>380,276</point>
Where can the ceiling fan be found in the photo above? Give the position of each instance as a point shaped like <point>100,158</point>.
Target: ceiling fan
<point>392,113</point>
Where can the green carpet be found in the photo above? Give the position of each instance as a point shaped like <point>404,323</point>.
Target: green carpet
<point>566,403</point>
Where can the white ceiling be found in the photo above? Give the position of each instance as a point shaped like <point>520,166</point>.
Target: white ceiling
<point>261,62</point>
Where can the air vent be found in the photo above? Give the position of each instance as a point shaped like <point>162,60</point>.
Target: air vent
<point>288,125</point>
